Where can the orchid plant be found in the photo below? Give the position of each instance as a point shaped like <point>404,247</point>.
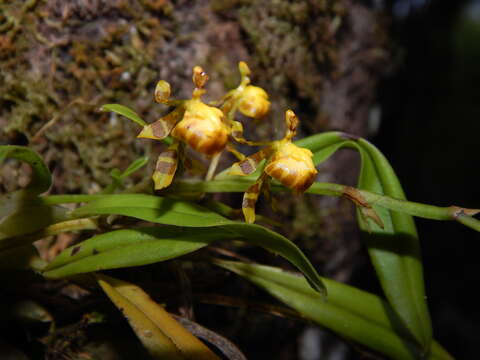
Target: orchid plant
<point>396,324</point>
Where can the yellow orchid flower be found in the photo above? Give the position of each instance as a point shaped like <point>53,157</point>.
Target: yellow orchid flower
<point>286,162</point>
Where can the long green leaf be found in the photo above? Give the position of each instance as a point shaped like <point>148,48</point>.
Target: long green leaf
<point>395,249</point>
<point>131,247</point>
<point>350,312</point>
<point>182,213</point>
<point>152,208</point>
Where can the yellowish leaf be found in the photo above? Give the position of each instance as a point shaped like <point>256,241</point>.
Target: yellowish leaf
<point>160,333</point>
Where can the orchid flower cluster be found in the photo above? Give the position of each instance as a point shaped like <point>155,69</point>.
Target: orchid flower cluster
<point>211,129</point>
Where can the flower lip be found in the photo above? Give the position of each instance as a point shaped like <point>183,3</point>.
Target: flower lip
<point>296,172</point>
<point>202,127</point>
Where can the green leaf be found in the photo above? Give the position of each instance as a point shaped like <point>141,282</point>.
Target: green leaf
<point>350,312</point>
<point>118,176</point>
<point>124,111</point>
<point>320,141</point>
<point>134,166</point>
<point>395,249</point>
<point>41,178</point>
<point>152,208</point>
<point>131,247</point>
<point>182,213</point>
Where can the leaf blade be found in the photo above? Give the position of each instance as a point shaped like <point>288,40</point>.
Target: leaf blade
<point>182,213</point>
<point>161,335</point>
<point>398,265</point>
<point>351,312</point>
<point>128,247</point>
<point>124,111</point>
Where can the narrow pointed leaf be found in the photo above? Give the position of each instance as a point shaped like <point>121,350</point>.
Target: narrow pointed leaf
<point>183,213</point>
<point>152,208</point>
<point>161,335</point>
<point>118,176</point>
<point>350,312</point>
<point>131,247</point>
<point>395,249</point>
<point>134,166</point>
<point>124,111</point>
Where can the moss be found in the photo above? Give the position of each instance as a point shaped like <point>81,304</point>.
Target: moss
<point>78,56</point>
<point>284,36</point>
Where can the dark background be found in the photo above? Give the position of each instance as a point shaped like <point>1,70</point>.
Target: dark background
<point>430,132</point>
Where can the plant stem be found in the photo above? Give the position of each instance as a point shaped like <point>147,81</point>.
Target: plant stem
<point>461,215</point>
<point>213,166</point>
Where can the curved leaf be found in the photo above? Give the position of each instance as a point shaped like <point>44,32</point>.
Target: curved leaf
<point>350,312</point>
<point>183,213</point>
<point>320,141</point>
<point>394,249</point>
<point>41,178</point>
